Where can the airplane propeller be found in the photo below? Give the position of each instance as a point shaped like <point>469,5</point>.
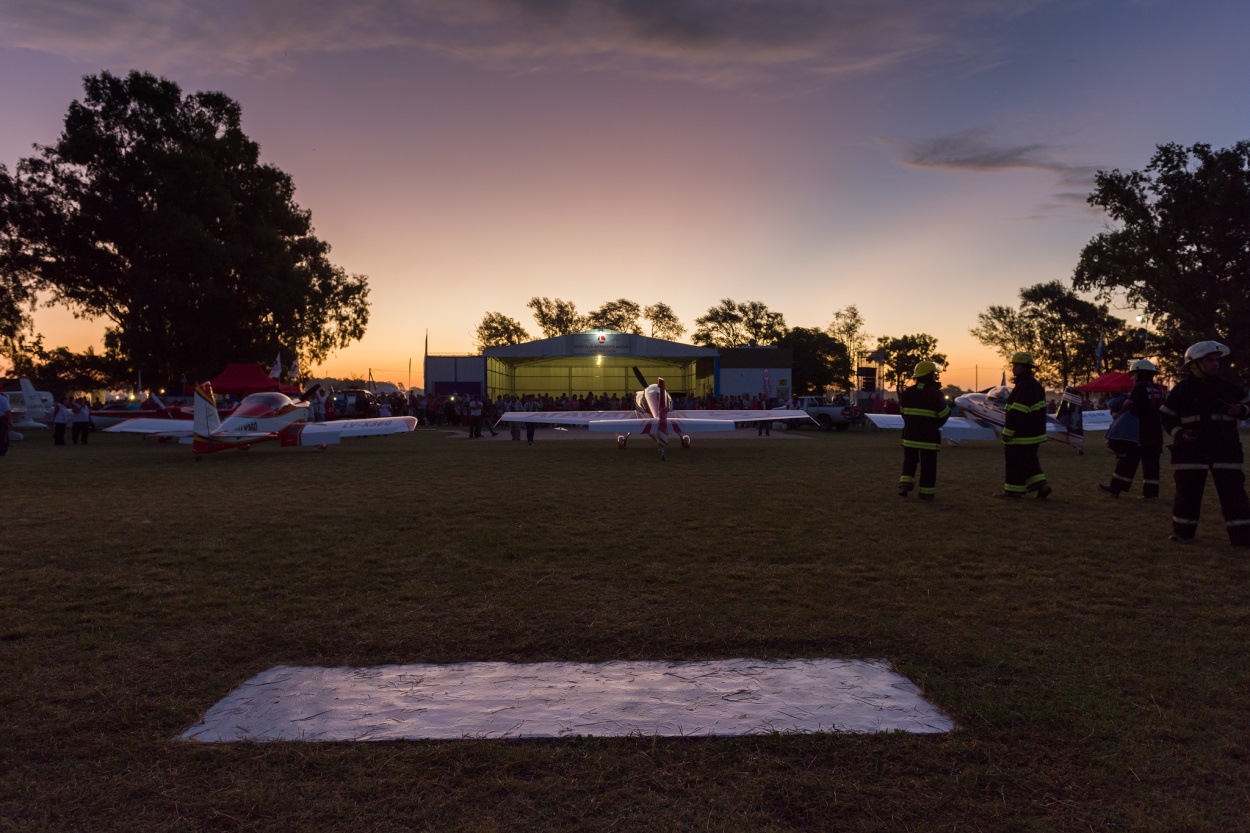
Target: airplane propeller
<point>642,380</point>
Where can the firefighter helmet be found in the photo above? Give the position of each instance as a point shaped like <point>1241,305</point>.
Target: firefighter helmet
<point>1205,348</point>
<point>923,369</point>
<point>1021,358</point>
<point>1142,365</point>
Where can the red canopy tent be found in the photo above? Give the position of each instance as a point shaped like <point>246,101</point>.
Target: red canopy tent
<point>242,379</point>
<point>1108,383</point>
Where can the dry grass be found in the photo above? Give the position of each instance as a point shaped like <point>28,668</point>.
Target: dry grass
<point>1099,674</point>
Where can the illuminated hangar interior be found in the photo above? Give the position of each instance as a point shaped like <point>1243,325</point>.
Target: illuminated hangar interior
<point>599,362</point>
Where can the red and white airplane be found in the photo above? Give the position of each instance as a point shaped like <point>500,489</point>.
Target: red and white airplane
<point>260,417</point>
<point>653,416</point>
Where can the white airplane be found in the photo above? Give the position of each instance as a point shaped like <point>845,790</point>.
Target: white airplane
<point>984,416</point>
<point>260,417</point>
<point>31,409</point>
<point>653,416</point>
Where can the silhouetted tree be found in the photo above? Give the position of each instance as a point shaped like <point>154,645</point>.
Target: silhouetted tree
<point>620,315</point>
<point>153,211</point>
<point>663,320</point>
<point>496,329</point>
<point>556,317</point>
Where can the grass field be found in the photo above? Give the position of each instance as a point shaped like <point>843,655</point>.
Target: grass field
<point>1099,675</point>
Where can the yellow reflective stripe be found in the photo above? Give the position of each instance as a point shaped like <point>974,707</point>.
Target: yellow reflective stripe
<point>945,412</point>
<point>906,478</point>
<point>922,446</point>
<point>1007,487</point>
<point>1189,419</point>
<point>1164,409</point>
<point>932,490</point>
<point>1185,521</point>
<point>1037,478</point>
<point>925,412</point>
<point>1023,440</point>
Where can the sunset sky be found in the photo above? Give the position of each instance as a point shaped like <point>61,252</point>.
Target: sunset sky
<point>921,159</point>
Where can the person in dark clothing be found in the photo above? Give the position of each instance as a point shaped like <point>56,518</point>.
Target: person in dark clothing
<point>924,413</point>
<point>1024,431</point>
<point>1143,404</point>
<point>1200,414</point>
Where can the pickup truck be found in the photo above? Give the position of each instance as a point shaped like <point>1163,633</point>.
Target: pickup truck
<point>827,415</point>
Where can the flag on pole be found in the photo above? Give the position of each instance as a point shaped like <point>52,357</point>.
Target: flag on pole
<point>1098,355</point>
<point>294,371</point>
<point>276,373</point>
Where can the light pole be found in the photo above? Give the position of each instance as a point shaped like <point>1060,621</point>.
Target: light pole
<point>1143,320</point>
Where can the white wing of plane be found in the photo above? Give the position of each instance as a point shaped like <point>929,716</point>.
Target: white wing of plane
<point>956,428</point>
<point>681,422</point>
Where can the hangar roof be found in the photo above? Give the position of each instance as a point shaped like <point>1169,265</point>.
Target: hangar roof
<point>599,343</point>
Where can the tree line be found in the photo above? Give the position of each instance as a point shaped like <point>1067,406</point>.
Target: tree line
<point>153,211</point>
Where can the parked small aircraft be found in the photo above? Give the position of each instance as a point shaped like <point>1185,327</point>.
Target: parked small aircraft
<point>983,416</point>
<point>260,417</point>
<point>30,408</point>
<point>653,416</point>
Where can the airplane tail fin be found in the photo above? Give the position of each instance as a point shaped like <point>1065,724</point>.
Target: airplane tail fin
<point>36,408</point>
<point>207,420</point>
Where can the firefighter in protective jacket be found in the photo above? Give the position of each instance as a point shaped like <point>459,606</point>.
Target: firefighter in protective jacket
<point>924,413</point>
<point>1201,414</point>
<point>1145,443</point>
<point>1024,431</point>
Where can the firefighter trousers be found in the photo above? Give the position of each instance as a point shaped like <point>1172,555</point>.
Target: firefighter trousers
<point>926,461</point>
<point>1024,471</point>
<point>1230,485</point>
<point>1126,468</point>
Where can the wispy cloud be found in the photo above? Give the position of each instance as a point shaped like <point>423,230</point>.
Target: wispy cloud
<point>977,151</point>
<point>714,41</point>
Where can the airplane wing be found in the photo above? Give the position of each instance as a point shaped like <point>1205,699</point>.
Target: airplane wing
<point>1096,420</point>
<point>329,433</point>
<point>956,428</point>
<point>741,415</point>
<point>153,426</point>
<point>568,417</point>
<point>646,425</point>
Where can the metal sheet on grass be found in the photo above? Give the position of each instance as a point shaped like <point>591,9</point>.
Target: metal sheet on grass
<point>562,699</point>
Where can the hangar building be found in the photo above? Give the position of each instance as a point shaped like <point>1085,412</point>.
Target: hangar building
<point>600,361</point>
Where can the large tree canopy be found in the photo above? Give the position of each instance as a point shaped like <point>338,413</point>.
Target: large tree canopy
<point>820,360</point>
<point>1180,248</point>
<point>620,315</point>
<point>733,324</point>
<point>153,211</point>
<point>901,355</point>
<point>664,322</point>
<point>847,328</point>
<point>556,317</point>
<point>1061,330</point>
<point>496,329</point>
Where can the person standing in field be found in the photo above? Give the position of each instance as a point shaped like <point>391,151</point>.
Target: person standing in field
<point>6,415</point>
<point>924,411</point>
<point>60,418</point>
<point>81,419</point>
<point>1143,403</point>
<point>1024,431</point>
<point>1201,415</point>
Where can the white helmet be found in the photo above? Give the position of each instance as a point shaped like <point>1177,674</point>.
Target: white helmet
<point>1143,365</point>
<point>1205,348</point>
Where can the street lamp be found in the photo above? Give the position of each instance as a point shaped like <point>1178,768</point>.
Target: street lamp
<point>1143,319</point>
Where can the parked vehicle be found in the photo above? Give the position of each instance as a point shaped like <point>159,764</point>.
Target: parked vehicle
<point>350,404</point>
<point>827,415</point>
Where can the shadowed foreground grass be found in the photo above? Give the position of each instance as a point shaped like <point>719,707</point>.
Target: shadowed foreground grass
<point>1098,674</point>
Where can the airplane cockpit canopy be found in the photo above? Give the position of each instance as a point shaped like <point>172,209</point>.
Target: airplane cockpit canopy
<point>262,404</point>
